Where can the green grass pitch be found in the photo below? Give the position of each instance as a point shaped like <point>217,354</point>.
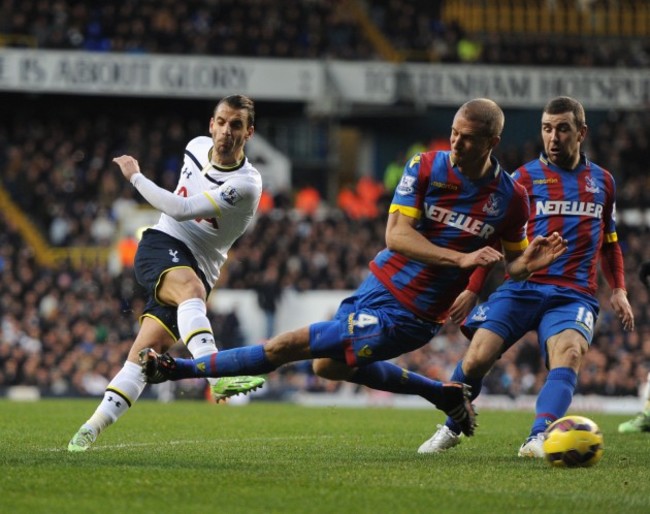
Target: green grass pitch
<point>196,457</point>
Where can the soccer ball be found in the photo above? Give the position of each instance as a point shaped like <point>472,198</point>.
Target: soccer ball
<point>573,441</point>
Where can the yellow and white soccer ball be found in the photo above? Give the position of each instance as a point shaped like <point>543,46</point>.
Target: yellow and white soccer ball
<point>573,441</point>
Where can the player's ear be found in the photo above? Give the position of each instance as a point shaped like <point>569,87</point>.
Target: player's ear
<point>582,133</point>
<point>494,141</point>
<point>249,133</point>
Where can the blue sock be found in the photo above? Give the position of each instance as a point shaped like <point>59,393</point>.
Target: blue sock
<point>459,376</point>
<point>247,360</point>
<point>554,399</point>
<point>386,376</point>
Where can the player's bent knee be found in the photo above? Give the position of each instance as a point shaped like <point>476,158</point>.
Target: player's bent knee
<point>477,364</point>
<point>330,369</point>
<point>567,352</point>
<point>320,368</point>
<point>570,357</point>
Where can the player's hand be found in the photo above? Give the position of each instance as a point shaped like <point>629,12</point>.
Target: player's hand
<point>463,305</point>
<point>484,257</point>
<point>622,308</point>
<point>128,165</point>
<point>542,251</point>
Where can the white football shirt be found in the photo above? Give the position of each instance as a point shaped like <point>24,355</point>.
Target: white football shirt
<point>209,209</point>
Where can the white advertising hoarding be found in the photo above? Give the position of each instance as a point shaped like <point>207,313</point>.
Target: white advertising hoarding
<point>169,76</point>
<point>363,82</point>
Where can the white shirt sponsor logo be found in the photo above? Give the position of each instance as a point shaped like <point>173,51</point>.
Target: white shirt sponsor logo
<point>459,220</point>
<point>569,208</point>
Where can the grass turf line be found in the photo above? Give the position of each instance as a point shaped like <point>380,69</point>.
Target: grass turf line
<point>192,456</point>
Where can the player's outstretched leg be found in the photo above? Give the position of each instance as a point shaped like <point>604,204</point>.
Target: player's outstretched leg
<point>225,387</point>
<point>161,368</point>
<point>195,330</point>
<point>456,403</point>
<point>458,407</point>
<point>158,368</point>
<point>453,398</point>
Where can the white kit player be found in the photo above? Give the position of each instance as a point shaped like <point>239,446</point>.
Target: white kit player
<point>179,259</point>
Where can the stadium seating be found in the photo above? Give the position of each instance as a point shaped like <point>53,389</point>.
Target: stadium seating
<point>66,326</point>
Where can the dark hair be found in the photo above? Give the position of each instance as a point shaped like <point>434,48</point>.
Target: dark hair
<point>562,104</point>
<point>240,102</point>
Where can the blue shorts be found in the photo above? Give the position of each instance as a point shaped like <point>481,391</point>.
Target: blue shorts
<point>157,254</point>
<point>518,307</point>
<point>370,326</point>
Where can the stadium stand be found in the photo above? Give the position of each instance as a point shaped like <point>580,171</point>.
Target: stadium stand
<point>262,28</point>
<point>67,322</point>
<point>582,33</point>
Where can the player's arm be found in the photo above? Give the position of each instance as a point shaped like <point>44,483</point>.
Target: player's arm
<point>178,207</point>
<point>468,299</point>
<point>523,258</point>
<point>539,254</point>
<point>611,260</point>
<point>611,264</point>
<point>402,237</point>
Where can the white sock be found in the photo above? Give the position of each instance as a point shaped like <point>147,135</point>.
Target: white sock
<point>646,396</point>
<point>195,329</point>
<point>125,388</point>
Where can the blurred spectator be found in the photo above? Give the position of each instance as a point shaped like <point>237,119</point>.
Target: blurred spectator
<point>126,250</point>
<point>308,200</point>
<point>362,202</point>
<point>269,292</point>
<point>57,325</point>
<point>393,172</point>
<point>256,28</point>
<point>305,29</point>
<point>267,203</point>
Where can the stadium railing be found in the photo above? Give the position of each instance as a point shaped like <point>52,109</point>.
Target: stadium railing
<point>45,254</point>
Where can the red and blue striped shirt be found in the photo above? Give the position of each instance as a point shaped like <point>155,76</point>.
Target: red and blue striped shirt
<point>452,212</point>
<point>579,204</point>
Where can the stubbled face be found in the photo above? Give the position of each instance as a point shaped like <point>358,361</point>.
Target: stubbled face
<point>230,131</point>
<point>562,139</point>
<point>470,145</point>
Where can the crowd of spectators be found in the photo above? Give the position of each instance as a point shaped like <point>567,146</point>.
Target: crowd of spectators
<point>56,162</point>
<point>310,29</point>
<point>68,330</point>
<point>416,30</point>
<point>251,28</point>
